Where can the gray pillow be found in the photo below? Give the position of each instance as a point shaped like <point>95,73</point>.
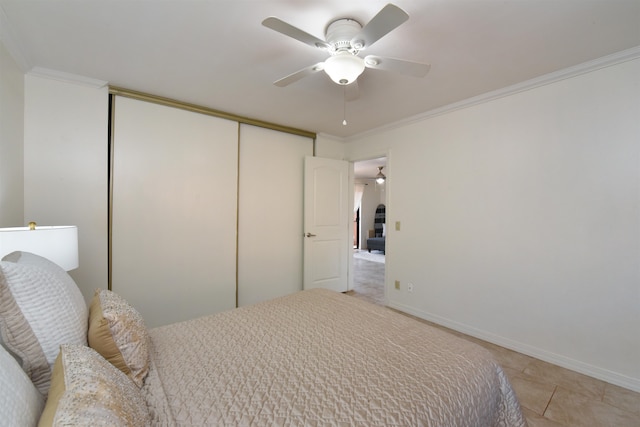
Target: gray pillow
<point>40,308</point>
<point>22,404</point>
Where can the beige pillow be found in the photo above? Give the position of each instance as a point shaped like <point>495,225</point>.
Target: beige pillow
<point>40,308</point>
<point>118,333</point>
<point>86,390</point>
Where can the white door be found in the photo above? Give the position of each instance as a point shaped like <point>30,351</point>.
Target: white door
<point>326,223</point>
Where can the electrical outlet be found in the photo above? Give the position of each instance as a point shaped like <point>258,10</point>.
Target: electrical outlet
<point>397,225</point>
<point>397,284</point>
<point>410,287</point>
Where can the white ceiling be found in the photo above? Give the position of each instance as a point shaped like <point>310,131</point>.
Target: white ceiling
<point>368,169</point>
<point>217,54</point>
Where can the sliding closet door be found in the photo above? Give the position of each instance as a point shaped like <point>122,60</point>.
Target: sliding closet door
<point>270,213</point>
<point>174,211</point>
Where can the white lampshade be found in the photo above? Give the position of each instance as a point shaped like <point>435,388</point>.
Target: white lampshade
<point>344,68</point>
<point>58,244</point>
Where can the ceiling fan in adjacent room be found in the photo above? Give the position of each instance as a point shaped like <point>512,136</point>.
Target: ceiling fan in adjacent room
<point>345,39</point>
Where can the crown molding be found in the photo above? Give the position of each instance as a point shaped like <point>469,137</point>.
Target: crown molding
<point>556,76</point>
<point>67,77</point>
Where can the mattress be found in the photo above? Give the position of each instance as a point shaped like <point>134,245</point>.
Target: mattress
<point>321,358</point>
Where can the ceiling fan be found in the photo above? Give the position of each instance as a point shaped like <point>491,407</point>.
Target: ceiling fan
<point>345,39</point>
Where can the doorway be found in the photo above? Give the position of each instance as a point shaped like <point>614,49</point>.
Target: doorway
<point>368,263</point>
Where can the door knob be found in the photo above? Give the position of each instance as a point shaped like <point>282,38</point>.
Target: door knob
<point>310,235</point>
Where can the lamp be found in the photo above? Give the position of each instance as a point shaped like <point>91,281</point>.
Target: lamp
<point>344,67</point>
<point>380,178</point>
<point>58,244</point>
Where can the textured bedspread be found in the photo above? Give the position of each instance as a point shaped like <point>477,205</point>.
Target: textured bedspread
<point>320,358</point>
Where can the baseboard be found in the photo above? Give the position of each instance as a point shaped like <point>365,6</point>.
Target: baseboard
<point>556,359</point>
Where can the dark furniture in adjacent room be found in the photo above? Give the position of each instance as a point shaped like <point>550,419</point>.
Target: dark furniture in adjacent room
<point>377,235</point>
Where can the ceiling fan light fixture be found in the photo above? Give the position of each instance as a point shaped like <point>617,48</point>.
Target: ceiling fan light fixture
<point>380,177</point>
<point>344,68</point>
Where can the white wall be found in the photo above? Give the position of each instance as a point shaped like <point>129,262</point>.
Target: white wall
<point>329,147</point>
<point>11,141</point>
<point>65,168</point>
<point>521,220</point>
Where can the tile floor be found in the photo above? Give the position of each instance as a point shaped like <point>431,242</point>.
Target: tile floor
<point>550,396</point>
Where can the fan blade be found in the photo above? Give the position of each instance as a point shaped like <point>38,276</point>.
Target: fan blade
<point>389,18</point>
<point>351,91</point>
<point>410,68</point>
<point>296,33</point>
<point>294,77</point>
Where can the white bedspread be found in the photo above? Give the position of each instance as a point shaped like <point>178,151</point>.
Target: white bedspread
<point>320,358</point>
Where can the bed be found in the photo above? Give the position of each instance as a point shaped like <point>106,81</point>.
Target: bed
<point>313,358</point>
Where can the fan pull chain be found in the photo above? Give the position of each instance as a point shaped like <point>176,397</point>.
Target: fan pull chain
<point>344,106</point>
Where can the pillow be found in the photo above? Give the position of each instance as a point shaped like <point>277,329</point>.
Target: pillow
<point>15,356</point>
<point>86,390</point>
<point>20,402</point>
<point>20,257</point>
<point>118,333</point>
<point>40,308</point>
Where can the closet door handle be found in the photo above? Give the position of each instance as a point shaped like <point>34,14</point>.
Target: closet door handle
<point>310,235</point>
